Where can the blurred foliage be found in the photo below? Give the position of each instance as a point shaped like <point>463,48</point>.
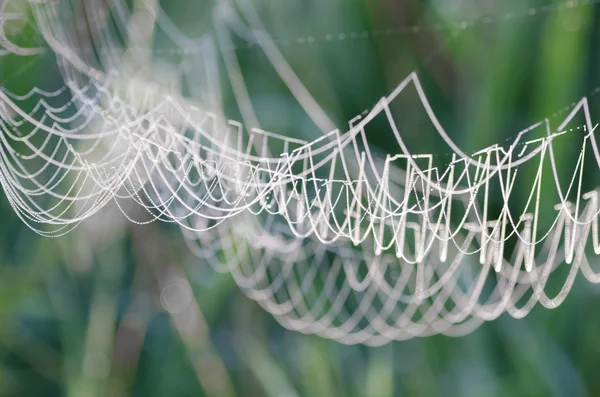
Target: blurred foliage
<point>82,316</point>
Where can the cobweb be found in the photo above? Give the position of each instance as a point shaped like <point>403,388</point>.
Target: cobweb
<point>329,235</point>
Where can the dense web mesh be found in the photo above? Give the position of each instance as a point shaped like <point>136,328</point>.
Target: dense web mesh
<point>328,235</point>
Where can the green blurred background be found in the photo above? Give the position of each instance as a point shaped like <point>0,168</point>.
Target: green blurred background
<point>82,315</point>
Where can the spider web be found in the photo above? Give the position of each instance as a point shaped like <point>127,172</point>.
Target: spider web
<point>328,235</point>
